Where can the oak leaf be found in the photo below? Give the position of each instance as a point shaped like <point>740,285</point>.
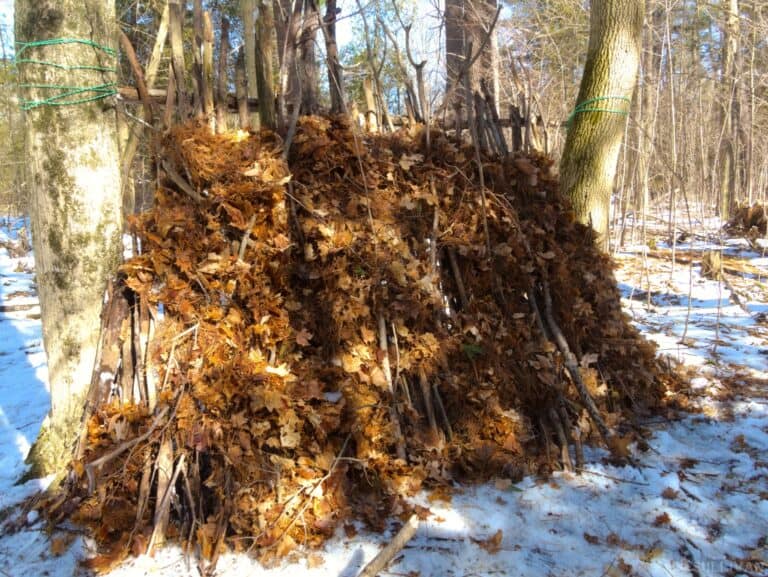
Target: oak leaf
<point>303,337</point>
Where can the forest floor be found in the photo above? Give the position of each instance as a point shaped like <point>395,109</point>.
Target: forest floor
<point>695,502</point>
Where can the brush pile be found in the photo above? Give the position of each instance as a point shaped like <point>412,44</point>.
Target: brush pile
<point>750,221</point>
<point>300,343</point>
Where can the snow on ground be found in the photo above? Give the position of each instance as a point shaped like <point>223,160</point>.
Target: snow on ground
<point>696,503</point>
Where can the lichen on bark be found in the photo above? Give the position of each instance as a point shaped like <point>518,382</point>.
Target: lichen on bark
<point>73,164</point>
<point>590,156</point>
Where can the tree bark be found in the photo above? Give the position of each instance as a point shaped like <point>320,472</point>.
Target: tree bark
<point>335,73</point>
<point>731,117</point>
<point>588,165</point>
<point>207,71</point>
<point>74,169</point>
<point>247,10</point>
<point>454,46</point>
<point>288,23</point>
<point>309,70</point>
<point>175,25</point>
<point>264,27</point>
<point>222,81</point>
<point>241,91</point>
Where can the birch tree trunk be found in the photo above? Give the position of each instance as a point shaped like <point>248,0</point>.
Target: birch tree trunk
<point>588,165</point>
<point>74,178</point>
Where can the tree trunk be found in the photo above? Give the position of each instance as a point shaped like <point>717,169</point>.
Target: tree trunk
<point>309,70</point>
<point>241,91</point>
<point>454,47</point>
<point>288,19</point>
<point>176,26</point>
<point>264,27</point>
<point>335,75</point>
<point>207,71</point>
<point>731,117</point>
<point>222,80</point>
<point>591,153</point>
<point>478,15</point>
<point>74,169</point>
<point>247,11</point>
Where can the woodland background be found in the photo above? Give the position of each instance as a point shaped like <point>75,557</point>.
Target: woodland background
<point>694,133</point>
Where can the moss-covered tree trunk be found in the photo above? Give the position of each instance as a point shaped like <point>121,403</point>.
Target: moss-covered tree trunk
<point>588,165</point>
<point>74,180</point>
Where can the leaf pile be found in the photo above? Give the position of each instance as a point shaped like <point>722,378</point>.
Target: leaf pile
<point>335,331</point>
<point>748,220</point>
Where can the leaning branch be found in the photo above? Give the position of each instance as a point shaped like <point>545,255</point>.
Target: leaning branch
<point>385,556</point>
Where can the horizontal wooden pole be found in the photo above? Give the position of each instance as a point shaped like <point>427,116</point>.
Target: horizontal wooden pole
<point>131,96</point>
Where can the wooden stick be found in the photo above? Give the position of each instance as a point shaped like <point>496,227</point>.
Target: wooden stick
<point>565,455</point>
<point>406,391</point>
<point>457,277</point>
<point>170,99</point>
<point>572,365</point>
<point>574,433</point>
<point>545,434</point>
<point>138,75</point>
<point>129,152</point>
<point>441,410</point>
<point>386,368</point>
<point>165,490</point>
<point>435,230</point>
<point>426,393</point>
<point>246,238</point>
<point>179,181</point>
<point>385,556</point>
<point>89,468</point>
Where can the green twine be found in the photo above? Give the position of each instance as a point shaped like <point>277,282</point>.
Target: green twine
<point>586,106</point>
<point>67,95</point>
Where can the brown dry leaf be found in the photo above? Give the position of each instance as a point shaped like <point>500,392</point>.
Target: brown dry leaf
<point>492,544</point>
<point>290,431</point>
<point>525,166</point>
<point>59,545</point>
<point>662,520</point>
<point>502,484</point>
<point>408,160</point>
<point>367,335</point>
<point>619,445</point>
<point>350,363</point>
<point>315,560</point>
<point>281,370</point>
<point>670,493</point>
<point>441,493</point>
<point>652,553</point>
<point>303,337</point>
<point>285,546</point>
<point>591,539</point>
